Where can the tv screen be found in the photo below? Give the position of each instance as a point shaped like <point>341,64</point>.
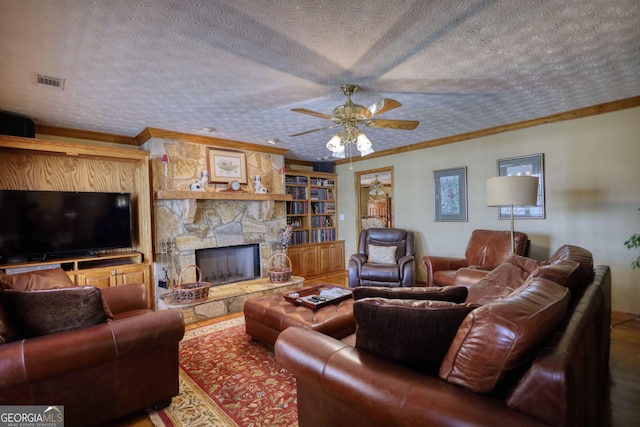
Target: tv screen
<point>36,225</point>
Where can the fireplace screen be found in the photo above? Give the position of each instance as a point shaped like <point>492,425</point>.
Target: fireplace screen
<point>229,264</point>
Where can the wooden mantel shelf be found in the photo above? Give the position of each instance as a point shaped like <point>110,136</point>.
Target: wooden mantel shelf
<point>191,198</point>
<point>209,195</point>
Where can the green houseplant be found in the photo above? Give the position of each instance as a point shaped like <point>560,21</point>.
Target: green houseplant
<point>634,242</point>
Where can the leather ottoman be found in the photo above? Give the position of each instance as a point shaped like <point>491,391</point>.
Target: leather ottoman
<point>268,315</point>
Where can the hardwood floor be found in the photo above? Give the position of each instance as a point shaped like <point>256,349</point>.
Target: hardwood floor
<point>624,390</point>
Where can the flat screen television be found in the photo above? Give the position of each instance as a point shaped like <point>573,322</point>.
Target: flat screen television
<point>39,225</point>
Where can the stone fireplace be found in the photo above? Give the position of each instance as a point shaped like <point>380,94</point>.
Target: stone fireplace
<point>186,223</point>
<point>217,225</point>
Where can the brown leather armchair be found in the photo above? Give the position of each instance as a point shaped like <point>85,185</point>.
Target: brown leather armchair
<point>99,373</point>
<point>485,251</point>
<point>378,264</point>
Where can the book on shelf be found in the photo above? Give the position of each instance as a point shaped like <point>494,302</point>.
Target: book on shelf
<point>297,208</point>
<point>295,179</point>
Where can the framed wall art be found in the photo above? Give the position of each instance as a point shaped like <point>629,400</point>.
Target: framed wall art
<point>450,194</point>
<point>226,166</point>
<point>527,165</point>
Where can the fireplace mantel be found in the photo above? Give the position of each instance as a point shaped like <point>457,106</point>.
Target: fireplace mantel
<point>190,199</point>
<point>209,195</point>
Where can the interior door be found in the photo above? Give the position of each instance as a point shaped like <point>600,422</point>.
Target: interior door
<point>374,192</point>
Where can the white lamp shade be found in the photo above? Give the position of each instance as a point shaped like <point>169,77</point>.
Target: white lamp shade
<point>512,190</point>
<point>363,143</point>
<point>334,143</point>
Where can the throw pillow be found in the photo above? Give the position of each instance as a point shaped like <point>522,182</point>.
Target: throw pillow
<point>456,294</point>
<point>493,338</point>
<point>382,254</point>
<point>48,311</point>
<point>414,333</point>
<point>38,279</point>
<point>400,244</point>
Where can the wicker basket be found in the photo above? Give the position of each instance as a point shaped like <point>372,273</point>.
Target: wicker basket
<point>279,274</point>
<point>191,292</point>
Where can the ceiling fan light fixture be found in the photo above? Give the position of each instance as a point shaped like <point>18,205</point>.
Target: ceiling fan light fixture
<point>363,144</point>
<point>350,116</point>
<point>335,143</point>
<point>339,153</point>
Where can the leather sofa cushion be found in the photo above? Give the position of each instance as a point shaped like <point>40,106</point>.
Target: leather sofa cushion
<point>415,333</point>
<point>456,294</point>
<point>48,311</point>
<point>565,273</point>
<point>502,280</point>
<point>494,338</point>
<point>38,279</point>
<point>380,272</point>
<point>444,277</point>
<point>382,254</point>
<point>568,266</point>
<point>574,253</point>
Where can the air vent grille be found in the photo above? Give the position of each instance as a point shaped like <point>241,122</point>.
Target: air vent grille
<point>54,82</point>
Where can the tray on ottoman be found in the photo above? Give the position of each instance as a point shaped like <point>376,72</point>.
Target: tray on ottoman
<point>315,298</point>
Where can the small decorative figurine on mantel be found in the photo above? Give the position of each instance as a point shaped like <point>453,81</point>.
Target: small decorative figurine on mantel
<point>200,184</point>
<point>258,185</point>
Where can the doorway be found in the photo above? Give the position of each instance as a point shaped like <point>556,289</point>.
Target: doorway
<point>374,193</point>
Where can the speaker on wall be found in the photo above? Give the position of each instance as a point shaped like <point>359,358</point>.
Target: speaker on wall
<point>16,125</point>
<point>323,167</point>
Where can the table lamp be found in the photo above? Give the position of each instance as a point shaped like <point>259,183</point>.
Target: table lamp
<point>511,191</point>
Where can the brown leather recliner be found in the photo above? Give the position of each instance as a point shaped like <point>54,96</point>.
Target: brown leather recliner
<point>485,251</point>
<point>370,268</point>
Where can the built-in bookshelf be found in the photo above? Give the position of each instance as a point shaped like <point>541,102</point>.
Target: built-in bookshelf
<point>312,211</point>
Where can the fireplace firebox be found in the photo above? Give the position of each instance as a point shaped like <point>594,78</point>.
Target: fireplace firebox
<point>229,264</point>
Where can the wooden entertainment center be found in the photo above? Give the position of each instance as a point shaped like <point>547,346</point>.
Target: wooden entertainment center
<point>36,164</point>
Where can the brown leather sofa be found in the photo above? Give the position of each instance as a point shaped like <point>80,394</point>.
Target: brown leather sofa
<point>369,268</point>
<point>101,372</point>
<point>559,381</point>
<point>485,251</point>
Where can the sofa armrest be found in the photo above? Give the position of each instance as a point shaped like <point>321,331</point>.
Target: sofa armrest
<point>468,276</point>
<point>66,352</point>
<point>127,297</point>
<point>337,382</point>
<point>359,259</point>
<point>436,263</point>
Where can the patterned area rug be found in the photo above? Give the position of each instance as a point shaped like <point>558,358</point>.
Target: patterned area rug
<point>228,380</point>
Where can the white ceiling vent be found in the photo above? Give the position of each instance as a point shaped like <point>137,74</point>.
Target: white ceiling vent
<point>54,82</point>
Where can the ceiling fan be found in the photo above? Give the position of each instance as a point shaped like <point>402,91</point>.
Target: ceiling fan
<point>351,115</point>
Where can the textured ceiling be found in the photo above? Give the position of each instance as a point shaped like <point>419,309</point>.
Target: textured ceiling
<point>240,66</point>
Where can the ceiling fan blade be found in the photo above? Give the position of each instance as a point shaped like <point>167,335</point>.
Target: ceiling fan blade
<point>380,107</point>
<point>313,130</point>
<point>393,124</point>
<point>311,113</point>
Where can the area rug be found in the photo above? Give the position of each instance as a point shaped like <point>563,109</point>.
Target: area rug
<point>228,380</point>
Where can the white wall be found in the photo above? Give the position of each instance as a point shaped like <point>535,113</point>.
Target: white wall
<point>592,174</point>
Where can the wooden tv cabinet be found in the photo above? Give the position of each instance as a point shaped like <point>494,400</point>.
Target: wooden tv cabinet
<point>38,164</point>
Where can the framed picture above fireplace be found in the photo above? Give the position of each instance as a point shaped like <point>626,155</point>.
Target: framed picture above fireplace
<point>226,166</point>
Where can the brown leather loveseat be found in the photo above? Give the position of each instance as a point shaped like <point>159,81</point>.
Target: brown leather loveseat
<point>104,356</point>
<point>535,355</point>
